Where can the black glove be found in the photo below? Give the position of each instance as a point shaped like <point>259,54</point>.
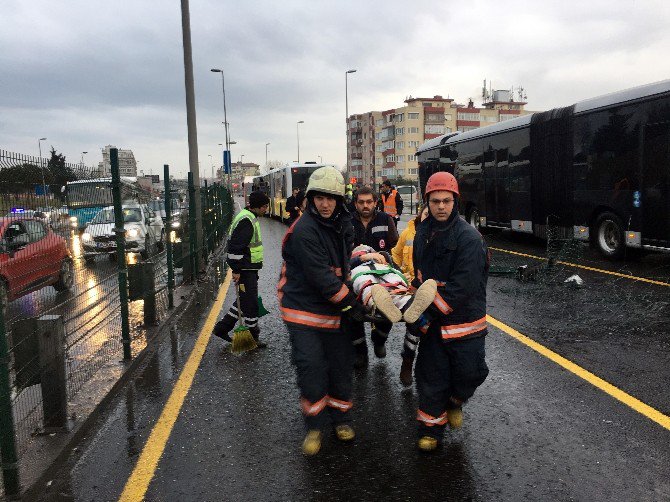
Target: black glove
<point>355,312</point>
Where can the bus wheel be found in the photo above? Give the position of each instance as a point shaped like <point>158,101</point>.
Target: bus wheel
<point>609,237</point>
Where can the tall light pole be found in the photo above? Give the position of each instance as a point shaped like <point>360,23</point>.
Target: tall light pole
<point>266,156</point>
<point>297,133</point>
<point>320,159</point>
<point>39,146</point>
<point>346,109</point>
<point>225,119</point>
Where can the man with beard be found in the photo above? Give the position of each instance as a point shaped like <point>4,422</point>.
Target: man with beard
<point>313,297</point>
<point>375,229</point>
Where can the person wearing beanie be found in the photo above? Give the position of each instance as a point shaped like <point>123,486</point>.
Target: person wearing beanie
<point>245,259</point>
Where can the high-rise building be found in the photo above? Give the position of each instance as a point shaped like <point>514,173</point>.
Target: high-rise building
<point>127,163</point>
<point>383,145</point>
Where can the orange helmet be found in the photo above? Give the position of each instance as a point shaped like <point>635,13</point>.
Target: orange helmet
<point>442,181</point>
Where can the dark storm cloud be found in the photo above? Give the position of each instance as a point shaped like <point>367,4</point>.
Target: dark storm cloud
<point>86,74</point>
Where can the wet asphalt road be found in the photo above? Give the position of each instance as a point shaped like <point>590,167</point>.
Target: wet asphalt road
<point>533,431</point>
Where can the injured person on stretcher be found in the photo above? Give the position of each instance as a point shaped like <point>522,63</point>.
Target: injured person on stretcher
<point>378,284</point>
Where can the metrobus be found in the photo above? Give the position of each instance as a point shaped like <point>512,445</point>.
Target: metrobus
<point>598,171</point>
<point>85,198</point>
<point>278,185</point>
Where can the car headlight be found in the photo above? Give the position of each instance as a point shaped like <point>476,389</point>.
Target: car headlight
<point>85,236</point>
<point>132,233</point>
<point>175,224</point>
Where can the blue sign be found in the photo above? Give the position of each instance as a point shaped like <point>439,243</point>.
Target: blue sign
<point>227,169</point>
<point>18,210</point>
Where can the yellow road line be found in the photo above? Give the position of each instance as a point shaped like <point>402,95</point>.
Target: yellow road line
<point>627,399</point>
<point>138,482</point>
<point>584,267</point>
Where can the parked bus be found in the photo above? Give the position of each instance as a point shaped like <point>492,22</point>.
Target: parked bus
<point>278,185</point>
<point>598,170</point>
<point>85,198</point>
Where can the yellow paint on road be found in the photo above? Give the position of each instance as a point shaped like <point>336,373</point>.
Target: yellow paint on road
<point>627,399</point>
<point>584,267</point>
<point>138,483</point>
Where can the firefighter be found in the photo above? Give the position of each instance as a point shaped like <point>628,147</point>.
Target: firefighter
<point>245,259</point>
<point>451,362</point>
<point>376,229</point>
<point>313,296</point>
<point>390,201</point>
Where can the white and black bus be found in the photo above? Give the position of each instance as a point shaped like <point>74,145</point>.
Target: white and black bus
<point>598,170</point>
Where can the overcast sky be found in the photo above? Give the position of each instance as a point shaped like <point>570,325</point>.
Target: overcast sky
<point>87,73</point>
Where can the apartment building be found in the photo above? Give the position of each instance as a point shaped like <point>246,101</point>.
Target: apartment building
<point>127,163</point>
<point>383,145</point>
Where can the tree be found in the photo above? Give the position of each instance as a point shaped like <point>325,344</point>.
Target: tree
<point>59,172</point>
<point>20,178</point>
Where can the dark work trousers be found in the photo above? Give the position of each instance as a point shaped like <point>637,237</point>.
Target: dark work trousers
<point>248,286</point>
<point>379,334</point>
<point>446,369</point>
<point>324,364</point>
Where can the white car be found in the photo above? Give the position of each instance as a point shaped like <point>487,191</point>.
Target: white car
<point>410,197</point>
<point>145,233</point>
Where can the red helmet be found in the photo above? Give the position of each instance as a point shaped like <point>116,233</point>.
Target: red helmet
<point>442,181</point>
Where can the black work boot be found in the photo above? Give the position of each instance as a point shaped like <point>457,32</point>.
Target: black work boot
<point>406,371</point>
<point>361,359</point>
<point>380,350</point>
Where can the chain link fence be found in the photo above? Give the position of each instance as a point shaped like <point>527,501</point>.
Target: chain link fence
<point>88,263</point>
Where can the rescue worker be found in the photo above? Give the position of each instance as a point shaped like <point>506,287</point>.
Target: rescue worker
<point>402,257</point>
<point>313,297</point>
<point>293,205</point>
<point>375,229</point>
<point>390,201</point>
<point>245,259</point>
<point>451,359</point>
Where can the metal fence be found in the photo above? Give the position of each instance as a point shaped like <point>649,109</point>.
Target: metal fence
<point>87,264</point>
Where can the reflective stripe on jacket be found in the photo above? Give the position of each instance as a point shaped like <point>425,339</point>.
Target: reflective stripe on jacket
<point>456,257</point>
<point>380,234</point>
<point>390,202</point>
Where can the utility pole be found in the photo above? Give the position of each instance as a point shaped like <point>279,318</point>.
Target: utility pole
<point>190,120</point>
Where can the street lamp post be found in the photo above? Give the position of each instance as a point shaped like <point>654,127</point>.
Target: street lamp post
<point>297,132</point>
<point>346,107</point>
<point>320,159</point>
<point>266,156</point>
<point>225,121</point>
<point>39,146</point>
<point>211,163</point>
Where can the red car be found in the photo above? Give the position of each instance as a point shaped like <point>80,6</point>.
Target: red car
<point>31,257</point>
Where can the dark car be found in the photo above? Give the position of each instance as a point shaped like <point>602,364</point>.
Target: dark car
<point>32,256</point>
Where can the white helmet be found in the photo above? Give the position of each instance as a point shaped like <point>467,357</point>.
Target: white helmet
<point>327,180</point>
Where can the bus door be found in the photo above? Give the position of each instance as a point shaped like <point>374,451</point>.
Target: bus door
<point>656,185</point>
<point>490,192</point>
<point>502,187</point>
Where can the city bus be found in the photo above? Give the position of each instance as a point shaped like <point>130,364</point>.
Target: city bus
<point>597,171</point>
<point>278,185</point>
<point>85,198</point>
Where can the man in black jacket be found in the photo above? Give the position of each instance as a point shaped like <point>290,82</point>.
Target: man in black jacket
<point>451,361</point>
<point>293,205</point>
<point>375,229</point>
<point>313,296</point>
<point>245,259</point>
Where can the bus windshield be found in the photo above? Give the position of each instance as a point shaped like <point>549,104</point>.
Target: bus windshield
<point>300,176</point>
<point>97,193</point>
